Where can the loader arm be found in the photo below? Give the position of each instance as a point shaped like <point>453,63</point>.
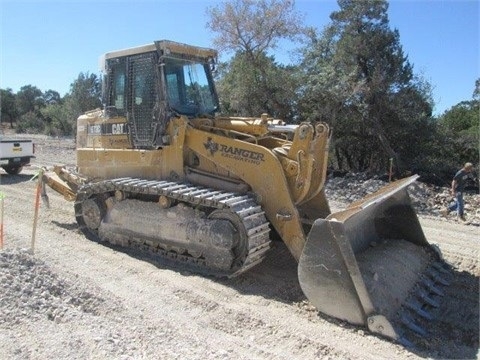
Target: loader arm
<point>366,264</point>
<point>260,168</point>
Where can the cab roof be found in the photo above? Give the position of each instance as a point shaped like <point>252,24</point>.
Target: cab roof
<point>165,47</point>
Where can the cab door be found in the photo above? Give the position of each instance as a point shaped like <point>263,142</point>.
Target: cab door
<point>142,99</point>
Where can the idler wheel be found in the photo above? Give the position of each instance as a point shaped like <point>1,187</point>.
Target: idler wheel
<point>93,211</point>
<point>239,242</point>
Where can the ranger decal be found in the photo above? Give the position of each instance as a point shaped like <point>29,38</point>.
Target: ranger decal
<point>233,152</point>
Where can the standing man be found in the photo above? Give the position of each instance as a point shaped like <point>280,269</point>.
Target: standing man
<point>458,184</point>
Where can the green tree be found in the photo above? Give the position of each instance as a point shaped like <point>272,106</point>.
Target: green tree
<point>8,106</point>
<point>51,97</point>
<point>460,128</point>
<point>253,26</point>
<point>247,91</point>
<point>85,95</point>
<point>49,113</point>
<point>29,99</point>
<point>57,122</point>
<point>252,82</point>
<point>476,92</point>
<point>30,123</point>
<point>358,79</point>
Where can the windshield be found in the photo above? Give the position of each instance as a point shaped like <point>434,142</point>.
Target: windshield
<point>189,87</point>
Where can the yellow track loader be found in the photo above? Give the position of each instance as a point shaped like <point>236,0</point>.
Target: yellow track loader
<point>157,170</point>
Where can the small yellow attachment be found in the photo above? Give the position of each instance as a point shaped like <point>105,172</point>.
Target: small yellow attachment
<point>60,186</point>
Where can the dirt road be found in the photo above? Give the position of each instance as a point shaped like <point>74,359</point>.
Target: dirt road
<point>78,299</point>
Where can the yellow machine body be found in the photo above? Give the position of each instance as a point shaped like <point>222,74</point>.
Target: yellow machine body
<point>261,176</point>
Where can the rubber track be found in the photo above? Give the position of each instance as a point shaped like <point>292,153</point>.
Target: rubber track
<point>253,217</point>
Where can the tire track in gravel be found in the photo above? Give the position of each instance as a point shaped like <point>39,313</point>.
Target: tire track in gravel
<point>460,244</point>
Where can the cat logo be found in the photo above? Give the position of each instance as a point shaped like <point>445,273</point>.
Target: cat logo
<point>117,129</point>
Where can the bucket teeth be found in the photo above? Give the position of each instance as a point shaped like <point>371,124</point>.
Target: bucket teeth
<point>405,342</point>
<point>416,306</point>
<point>418,309</point>
<point>442,267</point>
<point>435,275</point>
<point>422,294</point>
<point>431,287</point>
<point>409,323</point>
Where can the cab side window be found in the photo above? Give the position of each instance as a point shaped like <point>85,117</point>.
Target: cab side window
<point>117,96</point>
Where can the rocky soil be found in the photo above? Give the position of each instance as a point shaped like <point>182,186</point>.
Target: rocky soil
<point>65,297</point>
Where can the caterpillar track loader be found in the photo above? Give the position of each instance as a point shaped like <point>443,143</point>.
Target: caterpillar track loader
<point>157,170</point>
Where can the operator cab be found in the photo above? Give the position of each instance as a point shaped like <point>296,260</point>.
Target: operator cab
<point>150,84</point>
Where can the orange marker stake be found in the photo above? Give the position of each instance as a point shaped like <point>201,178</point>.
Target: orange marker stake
<point>37,205</point>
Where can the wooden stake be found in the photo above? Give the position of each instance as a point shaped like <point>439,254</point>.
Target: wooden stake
<point>37,205</point>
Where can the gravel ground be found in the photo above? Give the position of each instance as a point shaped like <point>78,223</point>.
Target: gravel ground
<point>71,298</point>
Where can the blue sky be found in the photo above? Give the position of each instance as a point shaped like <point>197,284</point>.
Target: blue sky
<point>48,43</point>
